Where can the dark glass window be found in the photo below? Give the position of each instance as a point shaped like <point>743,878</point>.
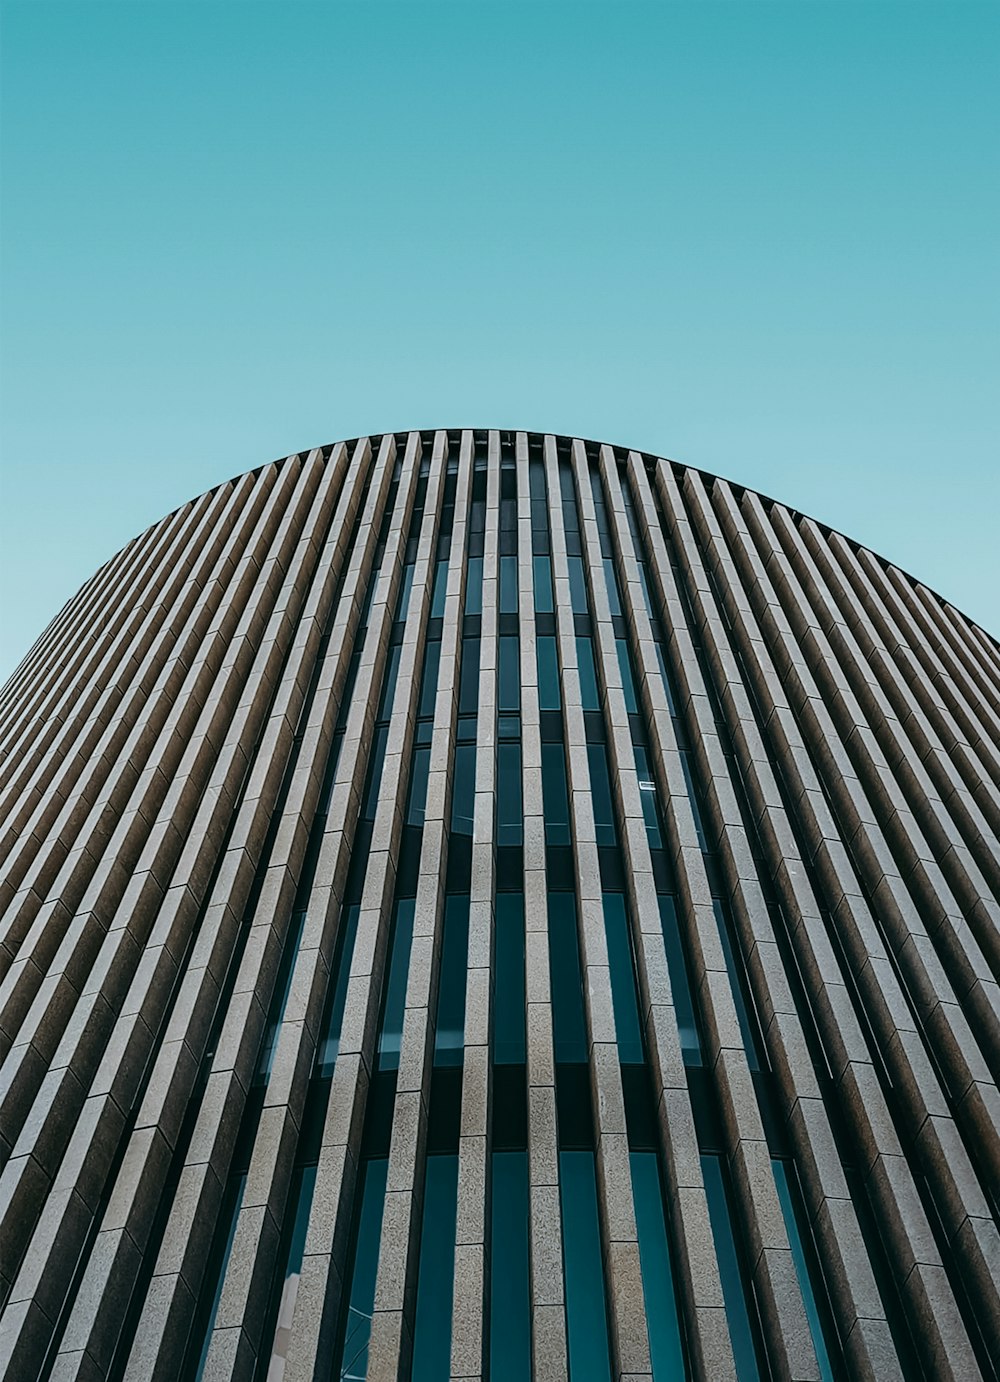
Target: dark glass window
<point>463,796</point>
<point>737,1312</point>
<point>428,687</point>
<point>793,1211</point>
<point>625,1000</point>
<point>542,569</point>
<point>326,1054</point>
<point>356,1328</point>
<point>509,675</point>
<point>300,1203</point>
<point>628,681</point>
<point>554,799</point>
<point>647,795</point>
<point>676,964</point>
<point>589,695</point>
<point>450,1033</point>
<point>738,984</point>
<point>509,813</point>
<point>667,686</point>
<point>586,1309</point>
<point>389,682</point>
<point>474,586</point>
<point>395,990</point>
<point>279,998</point>
<point>375,772</point>
<point>600,791</point>
<point>577,586</point>
<point>510,1307</point>
<point>404,594</point>
<point>440,590</point>
<point>568,1024</point>
<point>548,674</point>
<point>234,1199</point>
<point>468,695</point>
<point>693,798</point>
<point>508,585</point>
<point>435,1278</point>
<point>662,1319</point>
<point>611,580</point>
<point>418,786</point>
<point>509,1020</point>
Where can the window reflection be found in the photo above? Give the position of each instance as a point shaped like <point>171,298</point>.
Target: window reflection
<point>435,1278</point>
<point>733,1291</point>
<point>395,990</point>
<point>356,1321</point>
<point>300,1203</point>
<point>586,1309</point>
<point>510,1308</point>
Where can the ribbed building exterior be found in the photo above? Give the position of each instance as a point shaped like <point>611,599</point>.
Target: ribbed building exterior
<point>490,905</point>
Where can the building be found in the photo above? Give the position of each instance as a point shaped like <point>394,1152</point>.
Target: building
<point>492,905</point>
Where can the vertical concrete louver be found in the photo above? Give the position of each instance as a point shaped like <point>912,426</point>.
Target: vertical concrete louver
<point>484,905</point>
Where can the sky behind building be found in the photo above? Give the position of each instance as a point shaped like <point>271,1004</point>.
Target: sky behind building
<point>758,237</point>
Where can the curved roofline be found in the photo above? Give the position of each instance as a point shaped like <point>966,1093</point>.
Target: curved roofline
<point>647,456</point>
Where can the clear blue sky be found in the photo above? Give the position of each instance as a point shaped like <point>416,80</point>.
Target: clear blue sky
<point>759,237</point>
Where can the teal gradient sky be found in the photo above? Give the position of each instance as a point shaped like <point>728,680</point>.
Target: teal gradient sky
<point>758,237</point>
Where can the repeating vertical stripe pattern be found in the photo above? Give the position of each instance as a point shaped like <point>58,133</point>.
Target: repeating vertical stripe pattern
<point>484,905</point>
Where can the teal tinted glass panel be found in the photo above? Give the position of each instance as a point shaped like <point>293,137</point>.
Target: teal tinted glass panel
<point>353,1361</point>
<point>647,795</point>
<point>549,697</point>
<point>628,681</point>
<point>577,586</point>
<point>440,590</point>
<point>667,684</point>
<point>375,772</point>
<point>404,595</point>
<point>542,572</point>
<point>510,1309</point>
<point>644,582</point>
<point>474,586</point>
<point>508,585</point>
<point>568,1025</point>
<point>510,817</point>
<point>679,984</point>
<point>326,1055</point>
<point>450,1033</point>
<point>624,998</point>
<point>611,580</point>
<point>279,998</point>
<point>418,786</point>
<point>395,993</point>
<point>555,802</point>
<point>737,1314</point>
<point>586,1310</point>
<point>508,1032</point>
<point>428,687</point>
<point>463,791</point>
<point>509,675</point>
<point>693,799</point>
<point>300,1203</point>
<point>235,1189</point>
<point>600,793</point>
<point>662,1318</point>
<point>389,681</point>
<point>793,1213</point>
<point>589,695</point>
<point>468,692</point>
<point>435,1278</point>
<point>737,981</point>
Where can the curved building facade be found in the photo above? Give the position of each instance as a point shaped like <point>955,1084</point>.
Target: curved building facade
<point>489,905</point>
